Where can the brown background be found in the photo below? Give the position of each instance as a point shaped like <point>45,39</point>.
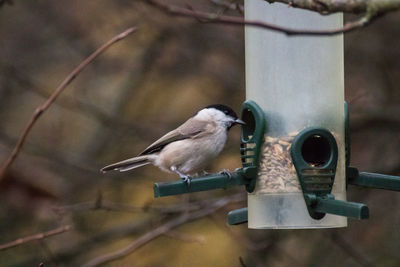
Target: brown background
<point>138,90</point>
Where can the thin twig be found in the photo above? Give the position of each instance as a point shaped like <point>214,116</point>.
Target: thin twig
<point>234,20</point>
<point>138,242</point>
<point>34,237</point>
<point>42,108</point>
<point>163,229</point>
<point>326,7</point>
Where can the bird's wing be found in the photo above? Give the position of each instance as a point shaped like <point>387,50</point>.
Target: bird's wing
<point>190,129</point>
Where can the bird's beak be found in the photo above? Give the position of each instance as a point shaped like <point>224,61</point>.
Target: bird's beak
<point>239,121</point>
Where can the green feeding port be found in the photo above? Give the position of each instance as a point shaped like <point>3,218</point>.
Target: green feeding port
<point>314,154</point>
<point>316,150</point>
<point>252,139</point>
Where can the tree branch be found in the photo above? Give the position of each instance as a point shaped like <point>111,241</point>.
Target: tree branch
<point>35,237</point>
<point>42,108</point>
<point>372,13</point>
<point>347,6</point>
<point>163,229</point>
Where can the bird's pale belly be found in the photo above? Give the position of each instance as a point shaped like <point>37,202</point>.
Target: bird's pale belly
<point>190,156</point>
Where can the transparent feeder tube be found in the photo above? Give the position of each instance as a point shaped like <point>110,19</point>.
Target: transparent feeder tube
<point>298,82</point>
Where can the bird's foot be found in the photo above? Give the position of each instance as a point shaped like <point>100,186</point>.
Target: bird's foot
<point>226,173</point>
<point>186,179</point>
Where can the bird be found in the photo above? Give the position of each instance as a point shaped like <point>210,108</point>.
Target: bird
<point>189,148</point>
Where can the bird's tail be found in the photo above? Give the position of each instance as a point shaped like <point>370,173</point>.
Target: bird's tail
<point>129,164</point>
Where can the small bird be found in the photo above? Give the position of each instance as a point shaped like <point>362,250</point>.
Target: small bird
<point>189,148</point>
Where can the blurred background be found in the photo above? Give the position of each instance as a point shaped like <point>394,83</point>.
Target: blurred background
<point>135,92</point>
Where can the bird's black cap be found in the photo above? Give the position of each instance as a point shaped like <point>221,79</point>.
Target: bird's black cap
<point>225,109</point>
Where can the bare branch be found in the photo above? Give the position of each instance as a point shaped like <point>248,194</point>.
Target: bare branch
<point>35,237</point>
<point>42,108</point>
<point>163,229</point>
<point>235,20</point>
<point>348,6</point>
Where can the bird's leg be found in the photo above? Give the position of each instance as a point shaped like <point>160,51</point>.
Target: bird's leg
<point>184,177</point>
<point>226,173</point>
<point>205,173</point>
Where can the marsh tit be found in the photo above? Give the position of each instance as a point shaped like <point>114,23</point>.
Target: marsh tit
<point>189,148</point>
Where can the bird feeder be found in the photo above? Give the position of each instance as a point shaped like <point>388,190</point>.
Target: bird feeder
<point>296,178</point>
<point>298,82</point>
<point>295,146</point>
